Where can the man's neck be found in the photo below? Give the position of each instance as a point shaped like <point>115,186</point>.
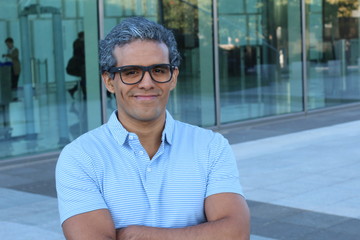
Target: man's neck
<point>149,132</point>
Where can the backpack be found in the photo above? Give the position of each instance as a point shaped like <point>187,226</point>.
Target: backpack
<point>73,67</point>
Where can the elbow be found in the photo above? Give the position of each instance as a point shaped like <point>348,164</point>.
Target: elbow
<point>237,231</point>
<point>241,228</point>
<point>244,236</point>
<point>241,234</point>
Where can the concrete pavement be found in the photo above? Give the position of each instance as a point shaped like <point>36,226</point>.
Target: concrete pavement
<point>313,176</point>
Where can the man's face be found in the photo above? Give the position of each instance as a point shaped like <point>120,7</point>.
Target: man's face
<point>145,101</point>
<point>9,44</point>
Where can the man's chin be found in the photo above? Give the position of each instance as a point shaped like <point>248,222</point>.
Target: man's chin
<point>148,116</point>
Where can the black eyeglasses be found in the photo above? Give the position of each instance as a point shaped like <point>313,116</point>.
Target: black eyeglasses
<point>133,74</point>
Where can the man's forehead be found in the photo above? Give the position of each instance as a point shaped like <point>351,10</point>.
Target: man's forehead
<point>141,52</point>
<point>136,44</point>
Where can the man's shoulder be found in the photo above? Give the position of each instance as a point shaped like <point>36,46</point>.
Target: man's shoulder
<point>189,131</point>
<point>87,150</point>
<point>93,138</point>
<point>179,125</point>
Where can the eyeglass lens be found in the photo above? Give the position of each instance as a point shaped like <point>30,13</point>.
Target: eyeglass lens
<point>133,74</point>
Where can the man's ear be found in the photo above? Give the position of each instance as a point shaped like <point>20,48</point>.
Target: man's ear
<point>108,81</point>
<point>174,78</point>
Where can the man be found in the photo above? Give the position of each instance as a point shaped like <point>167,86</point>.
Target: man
<point>13,56</point>
<point>144,175</point>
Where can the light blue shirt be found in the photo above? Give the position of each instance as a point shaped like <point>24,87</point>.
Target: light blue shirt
<point>108,168</point>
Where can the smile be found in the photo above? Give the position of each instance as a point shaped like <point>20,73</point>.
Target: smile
<point>146,97</point>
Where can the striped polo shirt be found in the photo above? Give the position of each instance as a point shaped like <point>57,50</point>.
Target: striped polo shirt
<point>107,168</point>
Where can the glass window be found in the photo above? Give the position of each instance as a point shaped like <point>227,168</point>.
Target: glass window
<point>259,58</point>
<point>43,99</point>
<point>333,53</point>
<point>192,100</point>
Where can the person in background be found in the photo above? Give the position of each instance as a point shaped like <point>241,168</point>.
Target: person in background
<point>13,56</point>
<point>143,175</point>
<point>79,55</point>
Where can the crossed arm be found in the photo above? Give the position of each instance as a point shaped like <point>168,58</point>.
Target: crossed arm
<point>227,218</point>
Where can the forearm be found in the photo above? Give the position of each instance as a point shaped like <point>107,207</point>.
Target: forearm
<point>225,228</point>
<point>11,56</point>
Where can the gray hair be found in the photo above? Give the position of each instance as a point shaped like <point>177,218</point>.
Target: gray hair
<point>132,29</point>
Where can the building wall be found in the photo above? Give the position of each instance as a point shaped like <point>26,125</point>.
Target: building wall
<point>242,60</point>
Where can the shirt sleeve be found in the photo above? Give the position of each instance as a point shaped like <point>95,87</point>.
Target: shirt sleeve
<point>77,187</point>
<point>223,172</point>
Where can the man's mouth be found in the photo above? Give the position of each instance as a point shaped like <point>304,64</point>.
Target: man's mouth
<point>146,96</point>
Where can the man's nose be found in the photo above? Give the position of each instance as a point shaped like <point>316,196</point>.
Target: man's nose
<point>147,81</point>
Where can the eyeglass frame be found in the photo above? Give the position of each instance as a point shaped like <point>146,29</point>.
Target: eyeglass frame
<point>144,70</point>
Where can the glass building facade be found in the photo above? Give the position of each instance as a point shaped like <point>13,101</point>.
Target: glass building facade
<point>242,60</point>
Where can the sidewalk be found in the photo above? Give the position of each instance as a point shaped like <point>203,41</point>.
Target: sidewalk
<point>301,182</point>
<point>28,206</point>
<point>28,216</point>
<point>313,175</point>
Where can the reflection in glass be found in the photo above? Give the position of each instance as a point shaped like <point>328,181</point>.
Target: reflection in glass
<point>40,115</point>
<point>260,63</point>
<point>333,53</point>
<point>260,59</point>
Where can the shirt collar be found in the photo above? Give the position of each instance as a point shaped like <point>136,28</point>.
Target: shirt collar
<point>116,128</point>
<point>121,134</point>
<point>167,134</point>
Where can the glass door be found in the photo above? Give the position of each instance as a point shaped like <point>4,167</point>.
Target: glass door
<point>333,52</point>
<point>259,58</point>
<point>192,100</point>
<point>44,99</point>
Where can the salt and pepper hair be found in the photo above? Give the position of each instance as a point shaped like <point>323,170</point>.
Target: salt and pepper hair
<point>136,28</point>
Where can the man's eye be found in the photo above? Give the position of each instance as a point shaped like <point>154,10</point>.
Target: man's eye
<point>129,72</point>
<point>160,70</point>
